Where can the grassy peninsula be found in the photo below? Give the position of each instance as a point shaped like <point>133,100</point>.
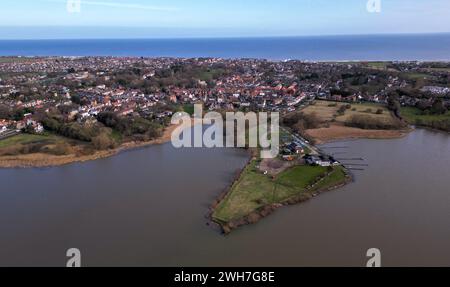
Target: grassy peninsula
<point>255,194</point>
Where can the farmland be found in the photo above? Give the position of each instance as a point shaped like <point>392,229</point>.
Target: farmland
<point>328,111</point>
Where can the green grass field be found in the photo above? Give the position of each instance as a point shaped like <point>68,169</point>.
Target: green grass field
<point>254,190</point>
<point>413,115</point>
<point>416,76</point>
<point>27,139</point>
<point>378,65</point>
<point>439,70</point>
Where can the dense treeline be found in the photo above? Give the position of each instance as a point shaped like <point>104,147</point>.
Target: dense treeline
<point>443,125</point>
<point>299,122</point>
<point>439,115</point>
<point>13,114</point>
<point>371,123</point>
<point>178,75</point>
<point>137,127</point>
<point>437,108</point>
<point>394,105</point>
<point>73,130</point>
<point>106,133</point>
<point>435,116</point>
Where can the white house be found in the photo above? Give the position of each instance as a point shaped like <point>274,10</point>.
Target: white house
<point>38,128</point>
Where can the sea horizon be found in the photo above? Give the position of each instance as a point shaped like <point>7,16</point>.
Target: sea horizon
<point>232,37</point>
<point>339,48</point>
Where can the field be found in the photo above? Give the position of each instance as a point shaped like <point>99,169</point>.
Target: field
<point>379,122</point>
<point>439,70</point>
<point>28,144</point>
<point>328,111</point>
<point>14,59</point>
<point>339,132</point>
<point>254,190</point>
<point>417,117</point>
<point>23,139</point>
<point>378,65</point>
<point>417,76</point>
<point>412,115</point>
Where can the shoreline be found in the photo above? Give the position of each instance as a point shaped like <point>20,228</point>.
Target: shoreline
<point>41,160</point>
<point>266,210</point>
<point>415,127</point>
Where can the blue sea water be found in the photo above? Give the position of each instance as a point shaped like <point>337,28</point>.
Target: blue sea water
<point>426,47</point>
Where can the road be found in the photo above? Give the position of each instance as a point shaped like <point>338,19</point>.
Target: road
<point>8,134</point>
<point>314,150</point>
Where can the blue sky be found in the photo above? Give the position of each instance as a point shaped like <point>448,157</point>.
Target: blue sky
<point>218,18</point>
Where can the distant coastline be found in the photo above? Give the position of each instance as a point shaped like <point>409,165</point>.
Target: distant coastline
<point>390,47</point>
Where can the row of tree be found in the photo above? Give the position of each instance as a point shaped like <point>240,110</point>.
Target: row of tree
<point>107,133</point>
<point>372,123</point>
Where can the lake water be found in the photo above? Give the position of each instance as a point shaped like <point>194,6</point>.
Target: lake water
<point>147,207</point>
<point>320,48</point>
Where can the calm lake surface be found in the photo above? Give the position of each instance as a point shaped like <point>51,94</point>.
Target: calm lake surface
<point>147,208</point>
